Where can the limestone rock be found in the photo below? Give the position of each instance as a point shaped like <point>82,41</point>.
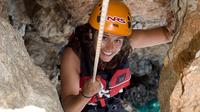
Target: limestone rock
<point>146,13</point>
<point>52,25</point>
<point>24,109</point>
<point>3,9</point>
<point>78,10</point>
<point>44,54</point>
<point>185,97</point>
<point>46,3</point>
<point>22,83</point>
<point>17,15</point>
<point>183,51</point>
<point>154,53</point>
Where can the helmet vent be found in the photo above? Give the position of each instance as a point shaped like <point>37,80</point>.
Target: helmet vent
<point>98,19</point>
<point>115,25</point>
<point>128,18</point>
<point>129,24</point>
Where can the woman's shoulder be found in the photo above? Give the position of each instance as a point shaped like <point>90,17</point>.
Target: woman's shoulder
<point>70,59</point>
<point>70,53</point>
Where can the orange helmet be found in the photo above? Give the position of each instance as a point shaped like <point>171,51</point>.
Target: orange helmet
<point>118,19</point>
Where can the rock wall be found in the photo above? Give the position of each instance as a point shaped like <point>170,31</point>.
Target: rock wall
<point>22,83</point>
<point>185,96</point>
<point>177,85</point>
<point>3,9</point>
<point>146,13</point>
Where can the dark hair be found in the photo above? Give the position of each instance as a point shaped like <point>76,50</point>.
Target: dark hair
<point>81,39</point>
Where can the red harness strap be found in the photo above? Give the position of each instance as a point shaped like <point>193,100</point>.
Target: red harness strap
<point>119,80</point>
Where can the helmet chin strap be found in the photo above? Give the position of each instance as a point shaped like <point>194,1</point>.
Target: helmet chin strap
<point>99,38</point>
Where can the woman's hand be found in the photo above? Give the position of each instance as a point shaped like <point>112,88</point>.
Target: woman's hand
<point>91,88</point>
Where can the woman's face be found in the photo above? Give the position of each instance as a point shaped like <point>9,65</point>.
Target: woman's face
<point>111,45</point>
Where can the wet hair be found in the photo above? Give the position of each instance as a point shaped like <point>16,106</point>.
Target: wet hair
<point>80,41</point>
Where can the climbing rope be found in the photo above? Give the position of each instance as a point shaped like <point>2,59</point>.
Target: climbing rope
<point>100,36</point>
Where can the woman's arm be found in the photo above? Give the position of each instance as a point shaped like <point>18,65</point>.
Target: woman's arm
<point>147,38</point>
<point>151,37</point>
<point>72,100</point>
<point>70,69</point>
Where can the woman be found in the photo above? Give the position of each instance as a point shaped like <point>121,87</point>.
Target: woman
<point>78,92</point>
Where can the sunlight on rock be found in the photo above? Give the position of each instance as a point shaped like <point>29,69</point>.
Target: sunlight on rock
<point>30,108</point>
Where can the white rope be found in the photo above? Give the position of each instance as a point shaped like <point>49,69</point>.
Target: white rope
<point>100,35</point>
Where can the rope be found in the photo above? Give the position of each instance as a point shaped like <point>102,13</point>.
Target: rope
<point>99,38</point>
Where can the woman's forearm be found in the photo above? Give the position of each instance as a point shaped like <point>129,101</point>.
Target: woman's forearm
<point>147,38</point>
